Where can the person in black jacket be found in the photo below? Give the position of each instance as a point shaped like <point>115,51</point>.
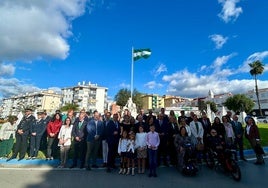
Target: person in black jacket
<point>22,134</point>
<point>36,132</point>
<point>112,138</point>
<point>79,134</point>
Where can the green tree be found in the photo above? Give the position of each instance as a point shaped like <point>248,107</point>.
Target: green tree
<point>123,95</point>
<point>239,103</point>
<point>69,106</point>
<point>213,106</point>
<point>202,106</point>
<point>256,68</point>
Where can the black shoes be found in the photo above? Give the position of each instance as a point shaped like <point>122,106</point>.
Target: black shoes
<point>9,159</point>
<point>259,163</point>
<point>243,159</point>
<point>20,158</point>
<point>73,166</point>
<point>88,168</point>
<point>95,166</point>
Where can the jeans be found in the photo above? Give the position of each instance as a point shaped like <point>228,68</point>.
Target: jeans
<point>152,160</point>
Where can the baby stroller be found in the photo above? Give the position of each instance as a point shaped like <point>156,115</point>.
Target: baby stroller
<point>189,160</point>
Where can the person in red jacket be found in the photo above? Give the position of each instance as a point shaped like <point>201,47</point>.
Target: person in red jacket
<point>53,128</point>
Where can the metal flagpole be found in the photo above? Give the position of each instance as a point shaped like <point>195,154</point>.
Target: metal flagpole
<point>132,67</point>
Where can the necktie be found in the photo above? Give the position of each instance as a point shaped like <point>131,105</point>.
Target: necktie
<point>197,128</point>
<point>80,124</point>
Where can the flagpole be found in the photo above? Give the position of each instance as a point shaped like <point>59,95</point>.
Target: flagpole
<point>132,67</point>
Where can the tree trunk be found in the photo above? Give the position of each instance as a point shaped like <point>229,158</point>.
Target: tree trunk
<point>257,94</point>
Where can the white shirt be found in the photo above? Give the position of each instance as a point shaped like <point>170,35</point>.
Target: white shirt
<point>122,146</point>
<point>65,133</point>
<point>141,140</point>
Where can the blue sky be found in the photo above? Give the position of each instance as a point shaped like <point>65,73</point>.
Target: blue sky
<point>196,45</point>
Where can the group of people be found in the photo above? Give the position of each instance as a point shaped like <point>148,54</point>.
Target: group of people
<point>147,139</point>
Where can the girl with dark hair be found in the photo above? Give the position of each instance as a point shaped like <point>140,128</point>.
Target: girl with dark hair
<point>64,137</point>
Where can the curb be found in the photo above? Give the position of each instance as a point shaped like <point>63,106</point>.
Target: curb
<point>43,163</point>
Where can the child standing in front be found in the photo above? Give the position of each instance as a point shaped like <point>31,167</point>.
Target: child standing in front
<point>122,150</point>
<point>152,142</point>
<point>131,153</point>
<point>141,149</point>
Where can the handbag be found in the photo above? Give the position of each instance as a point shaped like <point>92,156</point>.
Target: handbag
<point>258,149</point>
<point>199,146</point>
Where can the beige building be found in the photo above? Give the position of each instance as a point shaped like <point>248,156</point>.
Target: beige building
<point>47,100</point>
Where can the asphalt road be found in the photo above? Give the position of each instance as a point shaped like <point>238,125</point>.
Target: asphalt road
<point>252,176</point>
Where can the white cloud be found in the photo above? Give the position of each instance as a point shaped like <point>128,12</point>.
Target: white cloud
<point>14,86</point>
<point>159,69</point>
<point>186,84</point>
<point>229,10</point>
<point>124,85</point>
<point>33,29</point>
<point>153,85</point>
<point>6,69</point>
<point>254,57</point>
<point>217,78</point>
<point>219,40</point>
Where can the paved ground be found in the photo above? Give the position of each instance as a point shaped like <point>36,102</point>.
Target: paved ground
<point>252,176</point>
<point>41,173</point>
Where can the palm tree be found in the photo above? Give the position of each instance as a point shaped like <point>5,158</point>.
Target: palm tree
<point>257,67</point>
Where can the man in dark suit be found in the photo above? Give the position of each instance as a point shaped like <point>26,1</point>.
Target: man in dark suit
<point>238,131</point>
<point>79,134</point>
<point>161,126</point>
<point>206,124</point>
<point>95,131</point>
<point>112,138</point>
<point>22,134</point>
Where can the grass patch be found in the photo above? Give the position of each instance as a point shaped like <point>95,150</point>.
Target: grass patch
<point>263,129</point>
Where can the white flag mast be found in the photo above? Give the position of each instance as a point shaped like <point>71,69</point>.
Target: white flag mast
<point>132,72</point>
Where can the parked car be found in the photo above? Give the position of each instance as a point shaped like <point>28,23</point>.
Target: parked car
<point>262,119</point>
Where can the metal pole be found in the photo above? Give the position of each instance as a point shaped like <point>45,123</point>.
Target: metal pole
<point>132,67</point>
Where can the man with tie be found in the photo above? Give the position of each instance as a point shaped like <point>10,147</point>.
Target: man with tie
<point>79,134</point>
<point>113,135</point>
<point>238,131</point>
<point>94,132</point>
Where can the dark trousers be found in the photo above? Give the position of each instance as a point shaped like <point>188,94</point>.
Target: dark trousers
<point>20,146</point>
<point>112,150</point>
<point>52,147</point>
<point>239,142</point>
<point>79,152</point>
<point>34,145</point>
<point>92,152</point>
<point>152,160</point>
<point>162,150</point>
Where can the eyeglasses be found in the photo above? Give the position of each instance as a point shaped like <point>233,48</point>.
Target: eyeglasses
<point>213,132</point>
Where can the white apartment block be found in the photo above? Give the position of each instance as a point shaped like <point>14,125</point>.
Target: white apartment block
<point>87,96</point>
<point>263,96</point>
<point>42,100</point>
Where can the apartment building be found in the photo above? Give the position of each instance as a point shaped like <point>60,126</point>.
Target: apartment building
<point>87,96</point>
<point>47,100</point>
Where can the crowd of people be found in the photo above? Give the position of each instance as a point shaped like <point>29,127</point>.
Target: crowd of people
<point>140,142</point>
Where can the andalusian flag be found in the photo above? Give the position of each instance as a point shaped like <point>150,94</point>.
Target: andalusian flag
<point>141,53</point>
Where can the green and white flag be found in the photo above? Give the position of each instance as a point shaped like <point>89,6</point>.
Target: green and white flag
<point>141,53</point>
